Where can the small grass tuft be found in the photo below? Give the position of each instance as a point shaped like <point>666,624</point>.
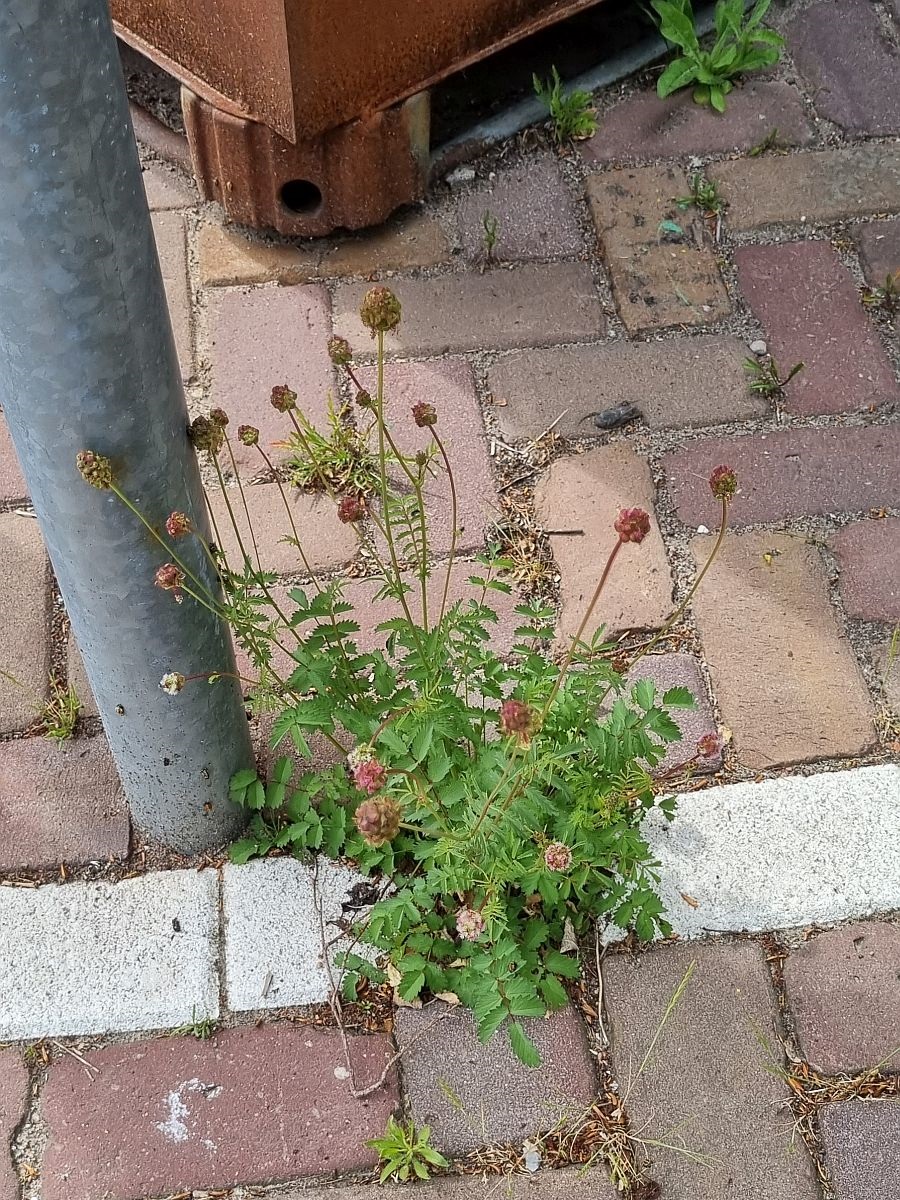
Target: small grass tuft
<point>572,113</point>
<point>59,715</point>
<point>337,461</point>
<point>202,1028</point>
<point>886,298</point>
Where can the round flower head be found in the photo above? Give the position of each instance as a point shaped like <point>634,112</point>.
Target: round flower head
<point>469,924</point>
<point>339,351</point>
<point>172,683</point>
<point>424,414</point>
<point>709,745</point>
<point>219,416</point>
<point>362,752</point>
<point>206,434</point>
<point>351,508</point>
<point>95,469</point>
<point>517,719</point>
<point>369,776</point>
<point>364,399</point>
<point>283,398</point>
<point>170,578</point>
<point>378,820</point>
<point>248,435</point>
<point>558,856</point>
<point>632,525</point>
<point>178,524</point>
<point>723,483</point>
<point>380,311</point>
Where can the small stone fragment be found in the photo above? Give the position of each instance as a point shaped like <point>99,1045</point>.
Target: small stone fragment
<point>613,418</point>
<point>758,347</point>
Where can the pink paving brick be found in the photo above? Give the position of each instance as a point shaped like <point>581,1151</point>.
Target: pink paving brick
<point>681,670</point>
<point>810,308</point>
<point>264,336</point>
<point>792,473</point>
<point>13,1097</point>
<point>171,247</point>
<point>850,64</point>
<point>60,803</point>
<point>12,481</point>
<point>869,557</point>
<point>252,1105</point>
<point>24,621</point>
<point>448,385</point>
<point>645,127</point>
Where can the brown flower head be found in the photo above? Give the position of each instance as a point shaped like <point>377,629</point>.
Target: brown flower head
<point>632,525</point>
<point>351,508</point>
<point>364,399</point>
<point>339,351</point>
<point>283,398</point>
<point>206,434</point>
<point>378,820</point>
<point>723,483</point>
<point>424,414</point>
<point>178,524</point>
<point>469,924</point>
<point>219,416</point>
<point>709,745</point>
<point>95,469</point>
<point>558,856</point>
<point>248,435</point>
<point>380,311</point>
<point>170,578</point>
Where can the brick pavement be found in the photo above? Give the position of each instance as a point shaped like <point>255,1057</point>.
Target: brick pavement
<point>593,304</point>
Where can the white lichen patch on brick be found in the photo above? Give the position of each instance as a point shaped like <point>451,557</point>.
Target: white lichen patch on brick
<point>102,958</point>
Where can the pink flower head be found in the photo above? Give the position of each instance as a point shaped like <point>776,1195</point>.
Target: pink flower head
<point>632,525</point>
<point>517,719</point>
<point>469,924</point>
<point>283,398</point>
<point>378,820</point>
<point>369,776</point>
<point>170,578</point>
<point>351,508</point>
<point>424,414</point>
<point>558,856</point>
<point>709,745</point>
<point>178,524</point>
<point>723,483</point>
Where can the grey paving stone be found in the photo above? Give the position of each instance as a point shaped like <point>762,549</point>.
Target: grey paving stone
<point>140,954</point>
<point>573,1183</point>
<point>706,1087</point>
<point>694,381</point>
<point>24,621</point>
<point>273,936</point>
<point>167,188</point>
<point>843,988</point>
<point>862,1148</point>
<point>473,1094</point>
<point>60,803</point>
<point>734,851</point>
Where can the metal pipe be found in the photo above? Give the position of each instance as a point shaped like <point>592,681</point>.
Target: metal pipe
<point>87,361</point>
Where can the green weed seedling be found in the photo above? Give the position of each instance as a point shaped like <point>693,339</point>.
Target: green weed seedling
<point>572,113</point>
<point>405,1152</point>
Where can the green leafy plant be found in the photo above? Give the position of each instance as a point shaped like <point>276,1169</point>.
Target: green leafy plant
<point>338,460</point>
<point>704,195</point>
<point>405,1152</point>
<point>201,1028</point>
<point>60,713</point>
<point>885,298</point>
<point>571,113</point>
<point>765,378</point>
<point>764,145</point>
<point>497,798</point>
<point>490,237</point>
<point>741,44</point>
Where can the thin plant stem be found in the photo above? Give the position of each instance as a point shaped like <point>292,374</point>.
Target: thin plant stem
<point>234,525</point>
<point>454,533</point>
<point>240,484</point>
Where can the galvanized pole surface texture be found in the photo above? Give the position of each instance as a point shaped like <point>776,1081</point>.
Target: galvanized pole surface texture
<point>87,361</point>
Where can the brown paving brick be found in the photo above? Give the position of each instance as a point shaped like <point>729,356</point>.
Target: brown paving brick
<point>810,308</point>
<point>175,1114</point>
<point>167,188</point>
<point>12,482</point>
<point>790,473</point>
<point>844,991</point>
<point>450,386</point>
<point>861,1140</point>
<point>500,309</point>
<point>853,78</point>
<point>24,621</point>
<point>707,1087</point>
<point>681,670</point>
<point>643,126</point>
<point>60,803</point>
<point>535,210</point>
<point>473,1095</point>
<point>77,678</point>
<point>586,492</point>
<point>171,246</point>
<point>327,542</point>
<point>815,185</point>
<point>264,336</point>
<point>869,557</point>
<point>233,256</point>
<point>572,1183</point>
<point>657,283</point>
<point>879,249</point>
<point>765,600</point>
<point>13,1098</point>
<point>692,381</point>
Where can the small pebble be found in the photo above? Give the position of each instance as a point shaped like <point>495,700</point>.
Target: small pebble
<point>460,175</point>
<point>758,347</point>
<point>702,529</point>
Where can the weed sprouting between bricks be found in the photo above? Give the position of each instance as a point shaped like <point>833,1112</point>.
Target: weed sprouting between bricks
<point>571,113</point>
<point>498,799</point>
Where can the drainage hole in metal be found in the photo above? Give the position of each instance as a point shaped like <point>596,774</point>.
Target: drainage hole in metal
<point>301,196</point>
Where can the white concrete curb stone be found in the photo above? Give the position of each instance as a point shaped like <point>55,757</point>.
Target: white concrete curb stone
<point>100,957</point>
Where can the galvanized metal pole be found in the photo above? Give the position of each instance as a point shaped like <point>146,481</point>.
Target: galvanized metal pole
<point>87,361</point>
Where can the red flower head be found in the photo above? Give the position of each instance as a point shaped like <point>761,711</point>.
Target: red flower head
<point>424,414</point>
<point>169,578</point>
<point>632,525</point>
<point>219,417</point>
<point>558,856</point>
<point>206,434</point>
<point>517,719</point>
<point>709,745</point>
<point>369,776</point>
<point>351,508</point>
<point>178,524</point>
<point>378,820</point>
<point>283,398</point>
<point>723,483</point>
<point>95,469</point>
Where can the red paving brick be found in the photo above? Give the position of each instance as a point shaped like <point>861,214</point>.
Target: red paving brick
<point>24,620</point>
<point>869,558</point>
<point>843,989</point>
<point>850,65</point>
<point>249,1106</point>
<point>60,804</point>
<point>264,336</point>
<point>13,1096</point>
<point>765,600</point>
<point>861,1140</point>
<point>643,126</point>
<point>810,309</point>
<point>707,1088</point>
<point>791,473</point>
<point>12,481</point>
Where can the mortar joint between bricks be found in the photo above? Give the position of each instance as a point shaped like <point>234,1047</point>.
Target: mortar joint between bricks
<point>31,1136</point>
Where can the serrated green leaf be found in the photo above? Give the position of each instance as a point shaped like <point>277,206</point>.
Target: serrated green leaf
<point>562,964</point>
<point>243,850</point>
<point>679,697</point>
<point>522,1045</point>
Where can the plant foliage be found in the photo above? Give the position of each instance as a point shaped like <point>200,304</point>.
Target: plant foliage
<point>571,113</point>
